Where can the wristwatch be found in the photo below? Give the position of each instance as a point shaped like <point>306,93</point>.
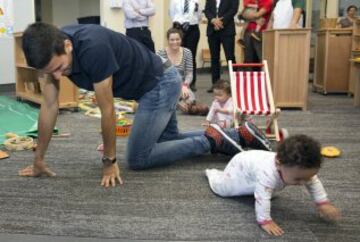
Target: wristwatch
<point>107,161</point>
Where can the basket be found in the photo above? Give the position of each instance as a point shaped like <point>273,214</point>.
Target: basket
<point>123,130</point>
<point>19,143</point>
<point>328,23</point>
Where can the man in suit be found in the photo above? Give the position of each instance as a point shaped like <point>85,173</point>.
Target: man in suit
<point>220,30</point>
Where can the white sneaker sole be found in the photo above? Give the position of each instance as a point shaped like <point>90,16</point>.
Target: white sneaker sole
<point>217,127</point>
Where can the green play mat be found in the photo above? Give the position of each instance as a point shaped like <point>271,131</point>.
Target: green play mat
<point>17,117</point>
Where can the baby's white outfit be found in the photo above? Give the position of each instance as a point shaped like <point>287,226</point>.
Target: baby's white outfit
<point>222,119</point>
<point>255,172</point>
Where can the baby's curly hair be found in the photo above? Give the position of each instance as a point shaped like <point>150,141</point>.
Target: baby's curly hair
<point>300,150</point>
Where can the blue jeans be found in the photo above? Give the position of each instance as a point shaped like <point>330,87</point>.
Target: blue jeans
<point>155,139</point>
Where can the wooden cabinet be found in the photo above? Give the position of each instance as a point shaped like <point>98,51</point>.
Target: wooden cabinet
<point>355,53</point>
<point>354,85</point>
<point>287,52</point>
<point>356,64</point>
<point>29,81</point>
<point>333,51</point>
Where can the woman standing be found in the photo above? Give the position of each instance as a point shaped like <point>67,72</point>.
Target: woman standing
<point>187,14</point>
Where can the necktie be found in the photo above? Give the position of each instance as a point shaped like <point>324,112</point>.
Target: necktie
<point>186,6</point>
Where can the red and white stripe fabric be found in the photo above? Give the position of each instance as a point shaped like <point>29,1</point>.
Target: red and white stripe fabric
<point>251,93</point>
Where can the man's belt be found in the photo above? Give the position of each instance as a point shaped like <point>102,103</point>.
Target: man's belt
<point>141,28</point>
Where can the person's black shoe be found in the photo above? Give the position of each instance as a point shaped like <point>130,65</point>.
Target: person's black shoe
<point>210,90</point>
<point>253,137</point>
<point>221,142</point>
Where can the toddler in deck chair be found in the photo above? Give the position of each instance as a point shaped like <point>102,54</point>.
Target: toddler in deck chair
<point>221,110</point>
<point>263,173</point>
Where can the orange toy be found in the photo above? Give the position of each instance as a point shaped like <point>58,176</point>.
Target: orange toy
<point>123,127</point>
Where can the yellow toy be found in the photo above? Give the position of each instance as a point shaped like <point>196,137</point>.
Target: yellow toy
<point>330,151</point>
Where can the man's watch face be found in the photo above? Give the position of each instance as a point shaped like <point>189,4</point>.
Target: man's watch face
<point>108,161</point>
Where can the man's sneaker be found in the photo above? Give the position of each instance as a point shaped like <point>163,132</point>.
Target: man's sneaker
<point>221,142</point>
<point>253,137</point>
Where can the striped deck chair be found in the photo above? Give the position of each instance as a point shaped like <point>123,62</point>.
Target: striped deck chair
<point>252,95</point>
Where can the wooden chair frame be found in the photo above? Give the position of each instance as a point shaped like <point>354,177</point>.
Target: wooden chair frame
<point>271,128</point>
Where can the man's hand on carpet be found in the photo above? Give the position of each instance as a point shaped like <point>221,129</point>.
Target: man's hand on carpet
<point>111,173</point>
<point>272,228</point>
<point>36,170</point>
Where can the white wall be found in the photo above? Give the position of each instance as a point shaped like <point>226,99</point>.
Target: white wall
<point>66,12</point>
<point>112,18</point>
<point>7,61</point>
<point>89,8</point>
<point>24,14</point>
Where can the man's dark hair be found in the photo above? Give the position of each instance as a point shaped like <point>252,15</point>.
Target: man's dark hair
<point>41,42</point>
<point>300,150</point>
<point>350,7</point>
<point>223,85</point>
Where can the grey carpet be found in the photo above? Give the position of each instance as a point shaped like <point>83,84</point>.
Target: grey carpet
<point>175,202</point>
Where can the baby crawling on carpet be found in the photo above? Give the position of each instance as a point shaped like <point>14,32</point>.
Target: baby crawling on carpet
<point>263,173</point>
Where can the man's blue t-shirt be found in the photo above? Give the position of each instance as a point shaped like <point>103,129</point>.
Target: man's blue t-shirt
<point>99,52</point>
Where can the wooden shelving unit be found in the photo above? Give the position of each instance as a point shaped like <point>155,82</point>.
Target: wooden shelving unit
<point>287,52</point>
<point>355,52</point>
<point>332,60</point>
<point>28,81</point>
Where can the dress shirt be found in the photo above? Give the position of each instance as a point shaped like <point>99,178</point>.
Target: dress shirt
<point>137,13</point>
<point>218,3</point>
<point>176,12</point>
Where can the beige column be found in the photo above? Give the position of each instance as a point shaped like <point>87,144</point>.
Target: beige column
<point>160,23</point>
<point>112,18</point>
<point>329,8</point>
<point>332,9</point>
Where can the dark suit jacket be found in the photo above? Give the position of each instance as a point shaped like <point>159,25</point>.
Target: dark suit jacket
<point>227,10</point>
